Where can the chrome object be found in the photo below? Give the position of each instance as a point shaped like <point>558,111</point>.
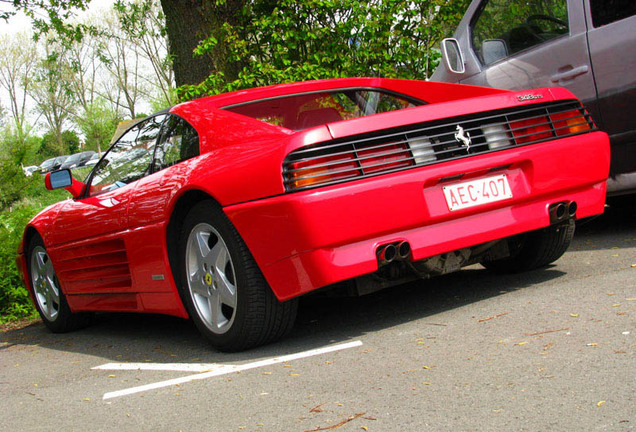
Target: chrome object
<point>45,285</point>
<point>211,278</point>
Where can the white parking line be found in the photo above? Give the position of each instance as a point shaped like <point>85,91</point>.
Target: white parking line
<point>208,370</point>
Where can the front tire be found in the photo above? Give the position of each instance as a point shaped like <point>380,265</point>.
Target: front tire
<point>222,287</point>
<point>50,301</point>
<point>535,249</point>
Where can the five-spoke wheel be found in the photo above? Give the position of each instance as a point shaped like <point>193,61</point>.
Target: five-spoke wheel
<point>45,285</point>
<point>211,278</point>
<point>223,289</point>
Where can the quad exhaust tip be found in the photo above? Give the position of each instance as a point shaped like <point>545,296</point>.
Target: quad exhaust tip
<point>399,251</point>
<point>562,211</point>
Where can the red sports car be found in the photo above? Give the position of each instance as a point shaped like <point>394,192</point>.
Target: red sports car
<point>228,208</point>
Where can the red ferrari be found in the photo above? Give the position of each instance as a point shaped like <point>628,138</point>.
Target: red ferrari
<point>229,208</point>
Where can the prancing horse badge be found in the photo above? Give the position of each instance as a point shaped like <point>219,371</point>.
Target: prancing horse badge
<point>463,137</point>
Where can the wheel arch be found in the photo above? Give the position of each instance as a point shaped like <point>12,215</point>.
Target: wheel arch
<point>180,209</point>
<point>30,233</point>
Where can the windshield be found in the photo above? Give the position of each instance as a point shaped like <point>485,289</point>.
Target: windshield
<point>302,111</point>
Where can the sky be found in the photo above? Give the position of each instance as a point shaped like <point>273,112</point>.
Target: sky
<point>20,22</point>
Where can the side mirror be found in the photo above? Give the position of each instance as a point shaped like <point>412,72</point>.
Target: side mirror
<point>493,50</point>
<point>452,55</point>
<point>63,179</point>
<point>58,179</point>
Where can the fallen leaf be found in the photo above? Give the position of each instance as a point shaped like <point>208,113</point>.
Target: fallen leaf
<point>522,343</point>
<point>336,426</point>
<point>601,403</point>
<point>616,305</point>
<point>492,317</point>
<point>317,408</point>
<point>573,315</point>
<point>364,428</point>
<point>546,331</point>
<point>111,376</point>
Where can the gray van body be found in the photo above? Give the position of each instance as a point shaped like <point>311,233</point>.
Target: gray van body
<point>589,49</point>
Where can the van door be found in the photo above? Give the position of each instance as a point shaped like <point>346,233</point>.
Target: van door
<point>520,45</point>
<point>612,41</point>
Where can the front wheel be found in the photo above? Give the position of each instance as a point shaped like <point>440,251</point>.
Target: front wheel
<point>225,293</point>
<point>534,249</point>
<point>50,301</point>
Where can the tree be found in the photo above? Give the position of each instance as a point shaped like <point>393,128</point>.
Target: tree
<point>327,39</point>
<point>52,94</point>
<point>18,60</point>
<point>50,144</point>
<point>143,22</point>
<point>98,124</point>
<point>238,42</point>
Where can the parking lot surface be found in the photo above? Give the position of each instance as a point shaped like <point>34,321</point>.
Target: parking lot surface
<point>549,350</point>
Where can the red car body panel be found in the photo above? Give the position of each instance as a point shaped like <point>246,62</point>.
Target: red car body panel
<point>110,251</point>
<point>315,238</point>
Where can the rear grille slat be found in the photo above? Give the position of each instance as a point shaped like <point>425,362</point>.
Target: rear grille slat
<point>425,143</point>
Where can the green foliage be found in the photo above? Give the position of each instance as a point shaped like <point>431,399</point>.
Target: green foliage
<point>98,124</point>
<point>13,182</point>
<point>318,39</point>
<point>14,298</point>
<point>50,146</point>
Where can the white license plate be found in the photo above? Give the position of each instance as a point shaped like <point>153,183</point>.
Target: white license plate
<point>477,192</point>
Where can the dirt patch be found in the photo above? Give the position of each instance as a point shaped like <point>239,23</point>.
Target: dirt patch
<point>17,325</point>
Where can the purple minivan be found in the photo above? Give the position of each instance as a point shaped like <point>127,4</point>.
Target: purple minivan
<point>587,46</point>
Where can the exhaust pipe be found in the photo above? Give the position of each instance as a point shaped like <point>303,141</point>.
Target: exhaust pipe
<point>572,207</point>
<point>403,250</point>
<point>387,254</point>
<point>562,211</point>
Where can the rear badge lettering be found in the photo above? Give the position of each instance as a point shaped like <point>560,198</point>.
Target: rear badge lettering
<point>529,97</point>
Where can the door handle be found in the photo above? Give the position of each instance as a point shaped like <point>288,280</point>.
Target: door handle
<point>568,73</point>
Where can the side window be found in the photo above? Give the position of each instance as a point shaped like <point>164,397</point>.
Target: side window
<point>608,11</point>
<point>179,141</point>
<point>505,27</point>
<point>128,159</point>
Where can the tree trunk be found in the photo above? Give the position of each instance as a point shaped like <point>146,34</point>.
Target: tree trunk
<point>188,22</point>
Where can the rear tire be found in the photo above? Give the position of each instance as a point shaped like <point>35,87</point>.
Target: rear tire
<point>50,301</point>
<point>535,249</point>
<point>222,287</point>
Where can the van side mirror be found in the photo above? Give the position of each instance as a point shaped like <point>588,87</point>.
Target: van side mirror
<point>452,56</point>
<point>493,50</point>
<point>63,179</point>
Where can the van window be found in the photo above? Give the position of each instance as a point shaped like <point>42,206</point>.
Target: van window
<point>505,27</point>
<point>608,11</point>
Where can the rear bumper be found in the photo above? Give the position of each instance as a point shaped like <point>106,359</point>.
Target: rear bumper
<point>307,240</point>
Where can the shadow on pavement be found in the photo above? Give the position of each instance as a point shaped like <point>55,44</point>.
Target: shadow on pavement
<point>321,321</point>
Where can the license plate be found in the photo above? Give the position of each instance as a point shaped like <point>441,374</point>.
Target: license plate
<point>477,192</point>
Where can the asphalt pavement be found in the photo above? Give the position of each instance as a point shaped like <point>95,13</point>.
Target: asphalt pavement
<point>547,350</point>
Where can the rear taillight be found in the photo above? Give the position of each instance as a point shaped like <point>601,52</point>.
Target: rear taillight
<point>321,170</point>
<point>570,122</point>
<point>346,165</point>
<point>555,125</point>
<point>385,158</point>
<point>530,130</point>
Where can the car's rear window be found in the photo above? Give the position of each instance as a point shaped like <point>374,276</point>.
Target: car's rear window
<point>302,111</point>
